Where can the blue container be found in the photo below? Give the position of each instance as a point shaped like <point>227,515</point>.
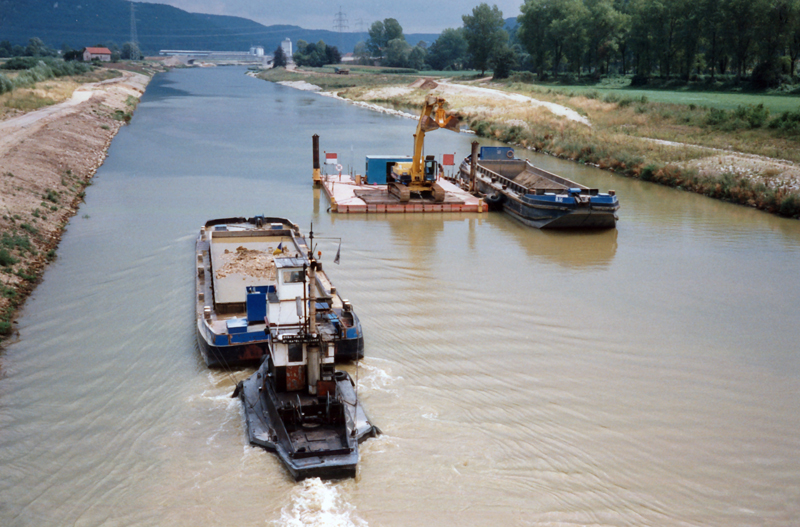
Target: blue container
<point>378,166</point>
<point>236,325</point>
<point>256,302</point>
<point>496,153</point>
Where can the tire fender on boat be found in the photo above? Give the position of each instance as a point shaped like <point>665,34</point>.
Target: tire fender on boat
<point>494,200</point>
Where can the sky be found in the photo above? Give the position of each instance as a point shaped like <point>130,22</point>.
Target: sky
<point>416,16</point>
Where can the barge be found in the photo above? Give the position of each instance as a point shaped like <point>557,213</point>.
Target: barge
<point>297,404</point>
<point>237,273</point>
<point>534,196</point>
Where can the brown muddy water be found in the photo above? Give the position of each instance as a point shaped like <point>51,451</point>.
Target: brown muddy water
<point>645,376</point>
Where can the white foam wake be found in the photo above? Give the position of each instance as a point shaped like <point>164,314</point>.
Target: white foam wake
<point>318,504</point>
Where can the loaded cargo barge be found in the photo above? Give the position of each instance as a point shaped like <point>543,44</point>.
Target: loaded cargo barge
<point>534,196</point>
<point>238,269</point>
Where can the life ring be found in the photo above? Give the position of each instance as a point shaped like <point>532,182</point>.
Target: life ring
<point>510,154</point>
<point>339,168</point>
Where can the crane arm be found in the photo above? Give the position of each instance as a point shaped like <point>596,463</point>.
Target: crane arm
<point>432,118</point>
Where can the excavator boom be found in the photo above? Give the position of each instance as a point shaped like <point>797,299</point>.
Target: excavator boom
<point>432,118</point>
<point>420,175</point>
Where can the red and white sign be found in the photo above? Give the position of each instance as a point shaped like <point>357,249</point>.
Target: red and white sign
<point>331,158</point>
<point>448,159</point>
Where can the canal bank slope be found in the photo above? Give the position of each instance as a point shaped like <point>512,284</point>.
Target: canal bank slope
<point>47,158</point>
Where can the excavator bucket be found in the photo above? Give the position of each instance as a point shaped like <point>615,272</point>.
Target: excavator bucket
<point>428,124</point>
<point>452,123</point>
<point>448,122</point>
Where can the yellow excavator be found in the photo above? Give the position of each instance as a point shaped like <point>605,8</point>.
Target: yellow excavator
<point>418,176</point>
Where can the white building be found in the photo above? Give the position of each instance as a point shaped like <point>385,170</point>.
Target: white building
<point>286,45</point>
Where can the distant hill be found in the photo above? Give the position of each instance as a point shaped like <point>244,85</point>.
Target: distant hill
<point>511,25</point>
<point>80,23</point>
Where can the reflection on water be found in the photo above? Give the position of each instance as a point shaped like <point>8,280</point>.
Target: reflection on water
<point>640,376</point>
<point>576,249</point>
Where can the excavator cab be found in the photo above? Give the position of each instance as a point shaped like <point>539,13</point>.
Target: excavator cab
<point>430,168</point>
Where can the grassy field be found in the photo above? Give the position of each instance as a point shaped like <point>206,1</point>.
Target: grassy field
<point>365,76</point>
<point>47,92</point>
<point>725,101</point>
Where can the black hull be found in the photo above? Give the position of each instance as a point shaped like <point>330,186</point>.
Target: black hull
<point>265,429</point>
<point>349,350</point>
<point>234,356</point>
<point>575,219</point>
<point>542,199</point>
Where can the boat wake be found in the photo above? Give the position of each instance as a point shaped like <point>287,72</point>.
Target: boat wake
<point>372,377</point>
<point>318,503</point>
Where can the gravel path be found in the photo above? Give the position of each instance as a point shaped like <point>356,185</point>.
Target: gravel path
<point>557,109</point>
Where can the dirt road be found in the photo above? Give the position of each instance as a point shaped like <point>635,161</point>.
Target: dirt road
<point>47,158</point>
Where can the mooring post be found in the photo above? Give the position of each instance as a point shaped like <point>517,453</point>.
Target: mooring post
<point>473,169</point>
<point>315,146</point>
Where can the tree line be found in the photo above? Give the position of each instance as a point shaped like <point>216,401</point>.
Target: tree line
<point>481,43</point>
<point>667,38</point>
<point>37,48</point>
<point>646,38</point>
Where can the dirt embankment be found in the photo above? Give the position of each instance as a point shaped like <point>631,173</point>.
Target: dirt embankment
<point>47,158</point>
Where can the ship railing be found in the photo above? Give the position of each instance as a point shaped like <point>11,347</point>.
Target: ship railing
<point>522,190</point>
<point>504,181</point>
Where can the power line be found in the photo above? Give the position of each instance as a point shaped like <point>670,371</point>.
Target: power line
<point>340,25</point>
<point>134,37</point>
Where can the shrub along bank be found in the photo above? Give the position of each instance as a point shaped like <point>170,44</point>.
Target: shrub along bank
<point>35,69</point>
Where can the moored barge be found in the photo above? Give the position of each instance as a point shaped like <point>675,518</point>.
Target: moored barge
<point>236,273</point>
<point>534,196</point>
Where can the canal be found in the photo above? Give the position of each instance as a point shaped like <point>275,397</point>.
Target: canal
<point>642,376</point>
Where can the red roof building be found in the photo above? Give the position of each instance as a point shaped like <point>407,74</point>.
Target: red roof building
<point>102,54</point>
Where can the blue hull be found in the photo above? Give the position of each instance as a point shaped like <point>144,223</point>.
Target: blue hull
<point>251,353</point>
<point>549,218</point>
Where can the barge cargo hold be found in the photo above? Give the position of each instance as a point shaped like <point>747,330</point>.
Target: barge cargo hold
<point>297,404</point>
<point>236,274</point>
<point>534,196</point>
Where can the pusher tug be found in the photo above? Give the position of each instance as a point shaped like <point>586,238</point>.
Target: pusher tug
<point>297,404</point>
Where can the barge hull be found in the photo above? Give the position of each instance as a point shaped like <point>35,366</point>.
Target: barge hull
<point>573,217</point>
<point>569,220</point>
<point>545,200</point>
<point>251,354</point>
<point>237,355</point>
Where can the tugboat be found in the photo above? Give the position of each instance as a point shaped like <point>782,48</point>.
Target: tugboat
<point>297,404</point>
<point>534,196</point>
<point>236,272</point>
